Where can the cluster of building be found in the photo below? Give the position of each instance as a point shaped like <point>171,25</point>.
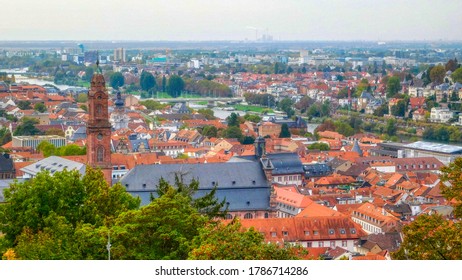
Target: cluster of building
<point>349,202</point>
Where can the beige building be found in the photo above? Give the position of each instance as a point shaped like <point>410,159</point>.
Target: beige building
<point>269,129</point>
<point>34,141</point>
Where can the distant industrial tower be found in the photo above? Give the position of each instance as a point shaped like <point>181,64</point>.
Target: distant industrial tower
<point>119,55</point>
<point>99,127</point>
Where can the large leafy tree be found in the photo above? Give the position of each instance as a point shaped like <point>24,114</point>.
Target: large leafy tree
<point>116,80</point>
<point>33,208</point>
<point>24,105</point>
<point>164,229</point>
<point>457,75</point>
<point>207,204</point>
<point>233,120</point>
<point>399,109</point>
<point>433,237</point>
<point>27,127</point>
<point>40,107</point>
<point>285,133</point>
<point>437,74</point>
<point>286,105</point>
<point>147,81</point>
<point>393,86</point>
<point>175,85</point>
<point>232,242</point>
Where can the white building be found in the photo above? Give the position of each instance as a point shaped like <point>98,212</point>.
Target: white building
<point>441,115</point>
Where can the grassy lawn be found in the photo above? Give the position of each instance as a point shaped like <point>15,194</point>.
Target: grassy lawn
<point>81,83</point>
<point>257,109</point>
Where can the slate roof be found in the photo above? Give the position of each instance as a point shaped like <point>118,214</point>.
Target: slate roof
<point>242,184</point>
<point>286,163</point>
<point>386,241</point>
<point>80,133</point>
<point>136,143</point>
<point>6,163</point>
<point>317,169</point>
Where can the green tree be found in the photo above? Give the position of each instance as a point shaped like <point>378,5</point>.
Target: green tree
<point>27,127</point>
<point>233,120</point>
<point>208,113</point>
<point>451,65</point>
<point>451,184</point>
<point>116,80</point>
<point>399,109</point>
<point>78,200</point>
<point>232,132</point>
<point>153,105</point>
<point>319,146</point>
<point>381,110</point>
<point>457,75</point>
<point>89,71</point>
<point>286,105</point>
<point>390,127</point>
<point>207,204</point>
<point>393,86</point>
<point>5,136</point>
<point>210,131</point>
<point>40,107</point>
<point>147,81</point>
<point>164,229</point>
<point>276,68</point>
<point>232,242</point>
<point>46,148</point>
<point>175,85</point>
<point>437,74</point>
<point>252,118</point>
<point>82,98</point>
<point>431,237</point>
<point>344,128</point>
<point>23,105</point>
<point>164,84</point>
<point>285,133</point>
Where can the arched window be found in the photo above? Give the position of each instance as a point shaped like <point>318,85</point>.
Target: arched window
<point>99,109</point>
<point>100,154</point>
<point>229,217</point>
<point>248,216</point>
<point>266,215</point>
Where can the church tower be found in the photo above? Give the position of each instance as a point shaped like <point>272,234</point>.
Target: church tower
<point>99,127</point>
<point>119,118</point>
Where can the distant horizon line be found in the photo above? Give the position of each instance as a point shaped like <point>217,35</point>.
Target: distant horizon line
<point>238,40</point>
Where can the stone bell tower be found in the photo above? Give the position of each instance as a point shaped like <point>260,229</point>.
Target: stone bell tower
<point>99,127</point>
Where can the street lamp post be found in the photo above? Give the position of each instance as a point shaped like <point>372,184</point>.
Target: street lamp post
<point>108,246</point>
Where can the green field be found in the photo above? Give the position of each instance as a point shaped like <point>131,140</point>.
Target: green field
<point>81,83</point>
<point>251,108</point>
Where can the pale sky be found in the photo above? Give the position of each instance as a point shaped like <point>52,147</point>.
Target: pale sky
<point>343,20</point>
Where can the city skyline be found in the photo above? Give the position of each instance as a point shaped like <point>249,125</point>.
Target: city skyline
<point>203,20</point>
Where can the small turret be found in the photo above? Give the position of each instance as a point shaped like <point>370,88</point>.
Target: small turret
<point>259,147</point>
<point>357,149</point>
